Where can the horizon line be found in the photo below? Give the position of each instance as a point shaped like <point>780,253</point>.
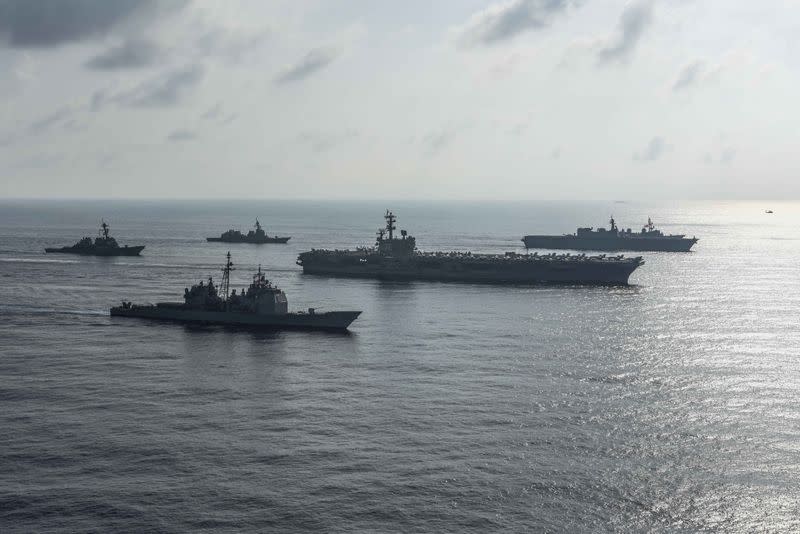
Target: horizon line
<point>388,199</point>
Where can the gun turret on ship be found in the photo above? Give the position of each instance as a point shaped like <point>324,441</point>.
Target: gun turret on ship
<point>257,236</point>
<point>397,258</point>
<point>612,239</point>
<point>259,305</point>
<point>103,245</point>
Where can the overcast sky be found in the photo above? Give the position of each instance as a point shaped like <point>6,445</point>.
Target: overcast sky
<point>461,99</point>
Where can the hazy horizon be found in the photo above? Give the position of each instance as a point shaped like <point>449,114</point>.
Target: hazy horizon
<point>470,100</point>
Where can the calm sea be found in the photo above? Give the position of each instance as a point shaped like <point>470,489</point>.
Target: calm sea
<point>672,404</point>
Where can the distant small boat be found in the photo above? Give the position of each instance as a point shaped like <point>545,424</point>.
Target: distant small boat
<point>768,211</point>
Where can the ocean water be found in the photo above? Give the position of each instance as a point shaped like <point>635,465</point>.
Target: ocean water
<point>669,405</point>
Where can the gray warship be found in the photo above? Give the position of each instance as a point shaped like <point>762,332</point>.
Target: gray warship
<point>103,245</point>
<point>261,305</point>
<point>397,258</point>
<point>648,239</point>
<point>257,236</point>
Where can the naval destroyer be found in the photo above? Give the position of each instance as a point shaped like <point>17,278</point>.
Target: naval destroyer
<point>103,245</point>
<point>397,258</point>
<point>257,236</point>
<point>261,305</point>
<point>648,239</point>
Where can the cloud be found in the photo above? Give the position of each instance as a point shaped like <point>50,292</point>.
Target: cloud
<point>689,75</point>
<point>181,136</point>
<point>727,156</point>
<point>653,151</point>
<point>132,53</point>
<point>229,44</point>
<point>167,89</point>
<point>214,112</point>
<point>60,116</point>
<point>63,118</point>
<point>435,142</point>
<point>634,20</point>
<point>500,22</point>
<point>702,72</point>
<point>317,59</point>
<point>47,23</point>
<point>98,100</point>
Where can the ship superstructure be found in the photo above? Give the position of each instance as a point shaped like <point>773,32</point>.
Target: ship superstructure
<point>613,239</point>
<point>397,258</point>
<point>103,245</point>
<point>261,304</point>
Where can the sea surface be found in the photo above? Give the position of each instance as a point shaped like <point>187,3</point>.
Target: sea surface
<point>669,405</point>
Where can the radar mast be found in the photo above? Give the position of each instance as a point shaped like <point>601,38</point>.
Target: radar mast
<point>390,226</point>
<point>226,278</point>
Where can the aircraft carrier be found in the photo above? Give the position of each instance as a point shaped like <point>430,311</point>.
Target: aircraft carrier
<point>397,258</point>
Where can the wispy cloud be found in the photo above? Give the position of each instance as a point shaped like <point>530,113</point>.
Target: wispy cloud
<point>727,156</point>
<point>316,60</point>
<point>653,151</point>
<point>217,114</point>
<point>689,75</point>
<point>213,112</point>
<point>635,19</point>
<point>435,142</point>
<point>166,89</point>
<point>181,136</point>
<point>500,22</point>
<point>231,44</point>
<point>61,116</point>
<point>132,53</point>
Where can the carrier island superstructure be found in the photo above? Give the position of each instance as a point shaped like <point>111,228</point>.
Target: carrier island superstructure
<point>397,258</point>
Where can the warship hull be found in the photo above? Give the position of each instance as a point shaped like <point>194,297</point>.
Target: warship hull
<point>502,272</point>
<point>99,251</point>
<point>609,244</point>
<point>334,320</point>
<point>254,241</point>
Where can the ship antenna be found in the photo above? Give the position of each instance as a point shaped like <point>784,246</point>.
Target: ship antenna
<point>105,228</point>
<point>613,223</point>
<point>258,225</point>
<point>226,277</point>
<point>390,226</point>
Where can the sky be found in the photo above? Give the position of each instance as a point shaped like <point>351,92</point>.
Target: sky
<point>360,99</point>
